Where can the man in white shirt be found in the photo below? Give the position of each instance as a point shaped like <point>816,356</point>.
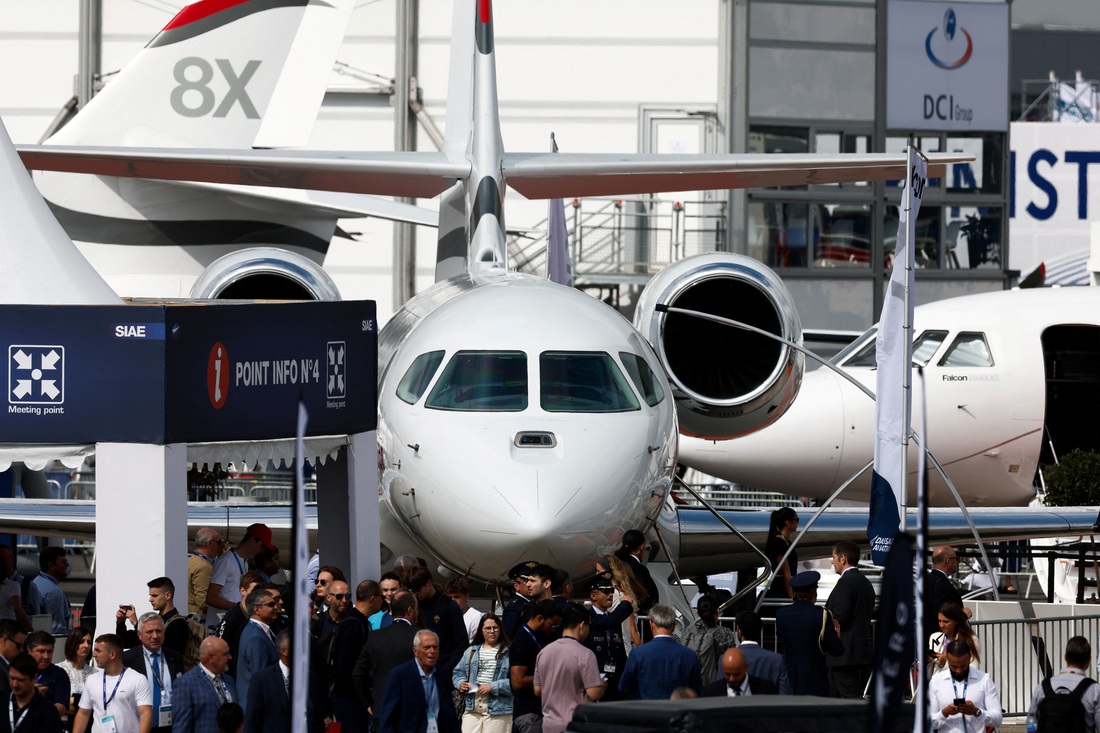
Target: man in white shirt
<point>115,700</point>
<point>962,698</point>
<point>224,590</point>
<point>459,591</point>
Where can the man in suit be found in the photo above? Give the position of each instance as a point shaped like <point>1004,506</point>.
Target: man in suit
<point>257,648</point>
<point>807,634</point>
<point>159,665</point>
<point>12,638</point>
<point>269,696</point>
<point>852,604</point>
<point>634,545</point>
<point>764,663</point>
<point>737,680</point>
<point>938,588</point>
<point>199,693</point>
<point>385,649</point>
<point>417,696</point>
<point>656,668</point>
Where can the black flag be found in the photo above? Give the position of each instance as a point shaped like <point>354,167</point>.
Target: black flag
<point>894,641</point>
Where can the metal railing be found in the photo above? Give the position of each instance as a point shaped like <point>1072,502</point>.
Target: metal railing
<point>636,236</point>
<point>732,496</point>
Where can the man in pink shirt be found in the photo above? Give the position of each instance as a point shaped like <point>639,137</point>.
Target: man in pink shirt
<point>566,673</point>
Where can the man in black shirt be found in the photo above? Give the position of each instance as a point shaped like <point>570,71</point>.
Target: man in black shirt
<point>439,614</point>
<point>526,645</point>
<point>27,710</point>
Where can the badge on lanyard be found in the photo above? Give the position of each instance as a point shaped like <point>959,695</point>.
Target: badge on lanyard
<point>433,724</point>
<point>107,722</point>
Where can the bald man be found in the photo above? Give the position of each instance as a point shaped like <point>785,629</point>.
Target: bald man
<point>197,695</point>
<point>737,680</point>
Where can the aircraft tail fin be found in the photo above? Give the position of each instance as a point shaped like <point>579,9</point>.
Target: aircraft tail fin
<point>221,72</point>
<point>41,263</point>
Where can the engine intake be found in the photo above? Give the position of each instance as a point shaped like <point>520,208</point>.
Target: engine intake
<point>727,381</point>
<point>264,273</point>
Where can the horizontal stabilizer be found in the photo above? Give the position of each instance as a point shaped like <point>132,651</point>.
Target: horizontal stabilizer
<point>426,174</point>
<point>343,205</point>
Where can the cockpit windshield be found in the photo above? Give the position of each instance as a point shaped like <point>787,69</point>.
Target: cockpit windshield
<point>482,381</point>
<point>583,381</point>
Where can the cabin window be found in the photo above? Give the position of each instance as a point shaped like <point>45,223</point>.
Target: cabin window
<point>969,349</point>
<point>482,381</point>
<point>643,377</point>
<point>418,376</point>
<point>924,348</point>
<point>583,381</point>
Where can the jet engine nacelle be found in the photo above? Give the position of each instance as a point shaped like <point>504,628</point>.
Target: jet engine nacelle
<point>265,273</point>
<point>727,381</point>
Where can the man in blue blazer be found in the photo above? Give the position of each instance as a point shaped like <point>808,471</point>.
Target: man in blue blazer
<point>197,695</point>
<point>257,649</point>
<point>269,698</point>
<point>416,690</point>
<point>763,662</point>
<point>656,668</point>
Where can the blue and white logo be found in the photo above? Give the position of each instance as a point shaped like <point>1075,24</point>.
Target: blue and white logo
<point>335,384</point>
<point>36,375</point>
<point>944,50</point>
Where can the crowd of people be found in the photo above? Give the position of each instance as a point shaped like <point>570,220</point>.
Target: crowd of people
<point>406,654</point>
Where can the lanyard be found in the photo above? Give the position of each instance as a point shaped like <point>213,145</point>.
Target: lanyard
<point>240,565</point>
<point>204,557</point>
<point>106,700</point>
<point>532,635</point>
<point>11,713</point>
<point>153,667</point>
<point>966,683</point>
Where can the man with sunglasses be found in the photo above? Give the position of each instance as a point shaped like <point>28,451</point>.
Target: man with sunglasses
<point>340,650</point>
<point>257,649</point>
<point>209,546</point>
<point>12,639</point>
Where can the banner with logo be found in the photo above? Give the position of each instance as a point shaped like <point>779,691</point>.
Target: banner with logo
<point>186,373</point>
<point>947,66</point>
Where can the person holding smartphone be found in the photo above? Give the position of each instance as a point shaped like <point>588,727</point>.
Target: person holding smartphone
<point>963,698</point>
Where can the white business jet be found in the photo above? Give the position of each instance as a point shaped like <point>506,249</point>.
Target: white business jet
<point>519,418</point>
<point>235,75</point>
<point>1009,375</point>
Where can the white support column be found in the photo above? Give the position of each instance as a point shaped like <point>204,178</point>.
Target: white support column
<point>141,525</point>
<point>347,510</point>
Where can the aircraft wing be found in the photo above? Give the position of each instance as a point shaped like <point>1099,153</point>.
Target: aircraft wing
<point>706,546</point>
<point>427,174</point>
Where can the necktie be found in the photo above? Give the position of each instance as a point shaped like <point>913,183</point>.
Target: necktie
<point>737,691</point>
<point>222,695</point>
<point>156,689</point>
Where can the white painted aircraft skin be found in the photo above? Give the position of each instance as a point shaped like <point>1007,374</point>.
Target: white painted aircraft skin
<point>985,423</point>
<point>454,485</point>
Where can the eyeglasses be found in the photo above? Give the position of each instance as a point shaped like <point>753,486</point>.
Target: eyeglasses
<point>342,596</point>
<point>491,629</point>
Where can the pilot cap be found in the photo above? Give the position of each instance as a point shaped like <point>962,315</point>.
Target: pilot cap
<point>805,580</point>
<point>523,569</point>
<point>599,581</point>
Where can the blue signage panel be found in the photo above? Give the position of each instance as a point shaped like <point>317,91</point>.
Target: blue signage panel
<point>235,371</point>
<point>186,373</point>
<point>82,374</point>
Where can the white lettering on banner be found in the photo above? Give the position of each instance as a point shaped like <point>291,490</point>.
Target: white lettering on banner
<point>269,372</point>
<point>35,410</point>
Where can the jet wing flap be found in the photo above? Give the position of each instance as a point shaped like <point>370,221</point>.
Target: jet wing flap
<point>403,174</point>
<point>568,175</point>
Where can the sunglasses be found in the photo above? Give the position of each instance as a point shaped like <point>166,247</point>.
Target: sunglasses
<point>342,596</point>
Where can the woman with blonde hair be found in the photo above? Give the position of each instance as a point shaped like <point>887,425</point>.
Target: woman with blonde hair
<point>628,585</point>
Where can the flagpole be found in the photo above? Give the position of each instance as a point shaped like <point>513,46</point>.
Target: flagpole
<point>299,623</point>
<point>907,331</point>
<point>920,697</point>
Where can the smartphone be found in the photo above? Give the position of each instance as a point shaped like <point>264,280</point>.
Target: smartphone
<point>960,701</point>
<point>127,608</point>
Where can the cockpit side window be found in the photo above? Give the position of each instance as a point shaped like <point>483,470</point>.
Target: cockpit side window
<point>969,349</point>
<point>418,376</point>
<point>583,381</point>
<point>643,377</point>
<point>482,381</point>
<point>864,354</point>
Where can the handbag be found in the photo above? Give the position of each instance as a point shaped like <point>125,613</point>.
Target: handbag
<point>458,699</point>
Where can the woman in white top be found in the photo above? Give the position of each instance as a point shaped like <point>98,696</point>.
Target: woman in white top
<point>953,625</point>
<point>78,664</point>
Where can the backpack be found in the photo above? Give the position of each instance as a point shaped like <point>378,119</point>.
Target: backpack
<point>1063,712</point>
<point>196,632</point>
